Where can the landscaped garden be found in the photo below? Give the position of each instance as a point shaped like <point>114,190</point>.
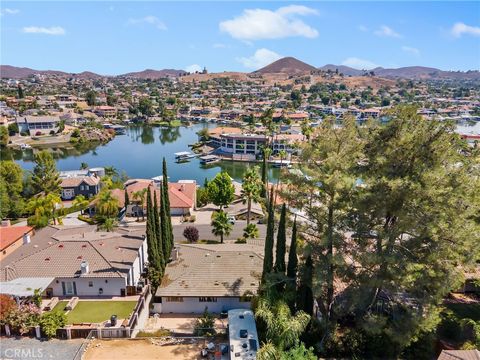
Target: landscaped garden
<point>96,311</point>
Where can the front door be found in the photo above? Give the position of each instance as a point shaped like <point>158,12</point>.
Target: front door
<point>68,193</point>
<point>69,288</point>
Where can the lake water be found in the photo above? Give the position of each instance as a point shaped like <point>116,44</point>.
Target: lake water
<point>139,153</point>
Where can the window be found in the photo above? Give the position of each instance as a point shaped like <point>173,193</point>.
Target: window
<point>90,284</point>
<point>81,187</point>
<point>174,299</point>
<point>207,299</point>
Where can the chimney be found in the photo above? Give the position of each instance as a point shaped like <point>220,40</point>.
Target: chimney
<point>5,223</point>
<point>84,267</point>
<point>182,187</point>
<point>26,238</point>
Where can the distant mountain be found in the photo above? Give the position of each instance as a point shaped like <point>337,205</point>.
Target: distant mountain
<point>286,65</point>
<point>345,70</point>
<point>154,74</point>
<point>408,72</point>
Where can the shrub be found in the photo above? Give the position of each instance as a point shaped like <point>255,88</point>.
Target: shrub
<point>204,325</point>
<point>191,233</point>
<point>241,241</point>
<point>52,321</point>
<point>157,333</point>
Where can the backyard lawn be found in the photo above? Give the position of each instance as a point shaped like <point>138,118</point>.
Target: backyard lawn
<point>96,311</point>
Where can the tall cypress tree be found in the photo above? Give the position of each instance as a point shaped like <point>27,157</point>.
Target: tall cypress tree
<point>166,203</point>
<point>264,176</point>
<point>127,199</point>
<point>305,293</point>
<point>281,242</point>
<point>292,255</point>
<point>268,257</point>
<point>150,232</point>
<point>158,234</point>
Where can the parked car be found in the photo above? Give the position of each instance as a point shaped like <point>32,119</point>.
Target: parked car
<point>231,219</point>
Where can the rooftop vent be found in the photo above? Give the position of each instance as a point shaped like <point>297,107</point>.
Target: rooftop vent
<point>84,246</point>
<point>47,259</point>
<point>60,246</point>
<point>79,257</point>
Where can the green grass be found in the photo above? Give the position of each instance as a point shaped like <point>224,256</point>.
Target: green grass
<point>174,123</point>
<point>464,311</point>
<point>96,311</point>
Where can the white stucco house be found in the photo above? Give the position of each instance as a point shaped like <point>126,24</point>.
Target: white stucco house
<point>81,261</point>
<point>217,277</point>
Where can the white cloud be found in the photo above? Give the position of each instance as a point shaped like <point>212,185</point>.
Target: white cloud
<point>387,32</point>
<point>460,28</point>
<point>53,30</point>
<point>149,20</point>
<point>193,68</point>
<point>261,58</point>
<point>256,24</point>
<point>219,46</point>
<point>359,63</point>
<point>10,11</point>
<point>362,28</point>
<point>411,50</point>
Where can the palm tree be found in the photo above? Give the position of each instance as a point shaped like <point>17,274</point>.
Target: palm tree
<point>221,225</point>
<point>108,224</point>
<point>250,231</point>
<point>111,171</point>
<point>80,202</point>
<point>251,188</point>
<point>283,328</point>
<point>107,205</point>
<point>44,206</point>
<point>140,197</point>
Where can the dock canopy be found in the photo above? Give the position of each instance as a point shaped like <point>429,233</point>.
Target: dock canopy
<point>182,153</point>
<point>24,287</point>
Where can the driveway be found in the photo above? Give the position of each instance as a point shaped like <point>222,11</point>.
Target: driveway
<point>205,231</point>
<point>180,323</point>
<point>72,219</point>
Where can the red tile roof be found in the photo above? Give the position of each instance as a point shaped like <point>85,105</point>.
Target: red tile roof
<point>10,234</point>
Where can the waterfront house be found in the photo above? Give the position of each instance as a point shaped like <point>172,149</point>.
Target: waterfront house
<point>220,278</point>
<point>38,125</point>
<point>79,261</point>
<point>105,111</point>
<point>87,186</point>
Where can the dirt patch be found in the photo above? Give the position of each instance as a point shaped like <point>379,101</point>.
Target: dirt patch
<point>145,349</point>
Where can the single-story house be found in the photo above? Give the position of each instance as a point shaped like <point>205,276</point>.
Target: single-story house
<point>219,278</point>
<point>240,210</point>
<point>81,261</point>
<point>12,237</point>
<point>87,186</point>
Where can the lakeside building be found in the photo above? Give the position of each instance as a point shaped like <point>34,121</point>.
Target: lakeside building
<point>38,125</point>
<point>208,276</point>
<point>80,261</point>
<point>87,186</point>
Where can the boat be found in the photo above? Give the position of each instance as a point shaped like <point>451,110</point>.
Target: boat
<point>281,163</point>
<point>183,156</point>
<point>209,159</point>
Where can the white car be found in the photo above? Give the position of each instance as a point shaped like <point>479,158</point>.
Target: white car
<point>231,219</point>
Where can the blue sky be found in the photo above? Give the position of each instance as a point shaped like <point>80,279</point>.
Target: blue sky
<point>118,37</point>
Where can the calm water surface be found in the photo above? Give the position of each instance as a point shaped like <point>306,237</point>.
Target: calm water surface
<point>139,153</point>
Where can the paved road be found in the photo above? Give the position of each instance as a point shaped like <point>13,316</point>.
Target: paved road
<point>28,349</point>
<point>205,231</point>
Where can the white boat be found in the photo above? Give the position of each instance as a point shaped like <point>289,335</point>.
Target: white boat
<point>281,163</point>
<point>184,156</point>
<point>209,159</point>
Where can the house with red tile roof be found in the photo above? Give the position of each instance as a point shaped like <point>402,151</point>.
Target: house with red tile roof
<point>12,237</point>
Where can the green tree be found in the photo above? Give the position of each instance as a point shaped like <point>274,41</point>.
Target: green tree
<point>221,225</point>
<point>221,190</point>
<point>83,166</point>
<point>107,204</point>
<point>166,219</point>
<point>292,267</point>
<point>20,92</point>
<point>139,197</point>
<point>3,136</point>
<point>45,176</point>
<point>151,233</point>
<point>251,188</point>
<point>269,239</point>
<point>80,202</point>
<point>44,208</point>
<point>161,246</point>
<point>281,242</point>
<point>13,129</point>
<point>11,177</point>
<point>51,321</point>
<point>91,97</point>
<point>305,289</point>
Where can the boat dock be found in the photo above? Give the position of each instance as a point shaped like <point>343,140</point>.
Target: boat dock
<point>209,159</point>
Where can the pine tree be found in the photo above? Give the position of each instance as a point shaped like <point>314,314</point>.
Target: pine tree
<point>127,199</point>
<point>164,226</point>
<point>281,242</point>
<point>268,257</point>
